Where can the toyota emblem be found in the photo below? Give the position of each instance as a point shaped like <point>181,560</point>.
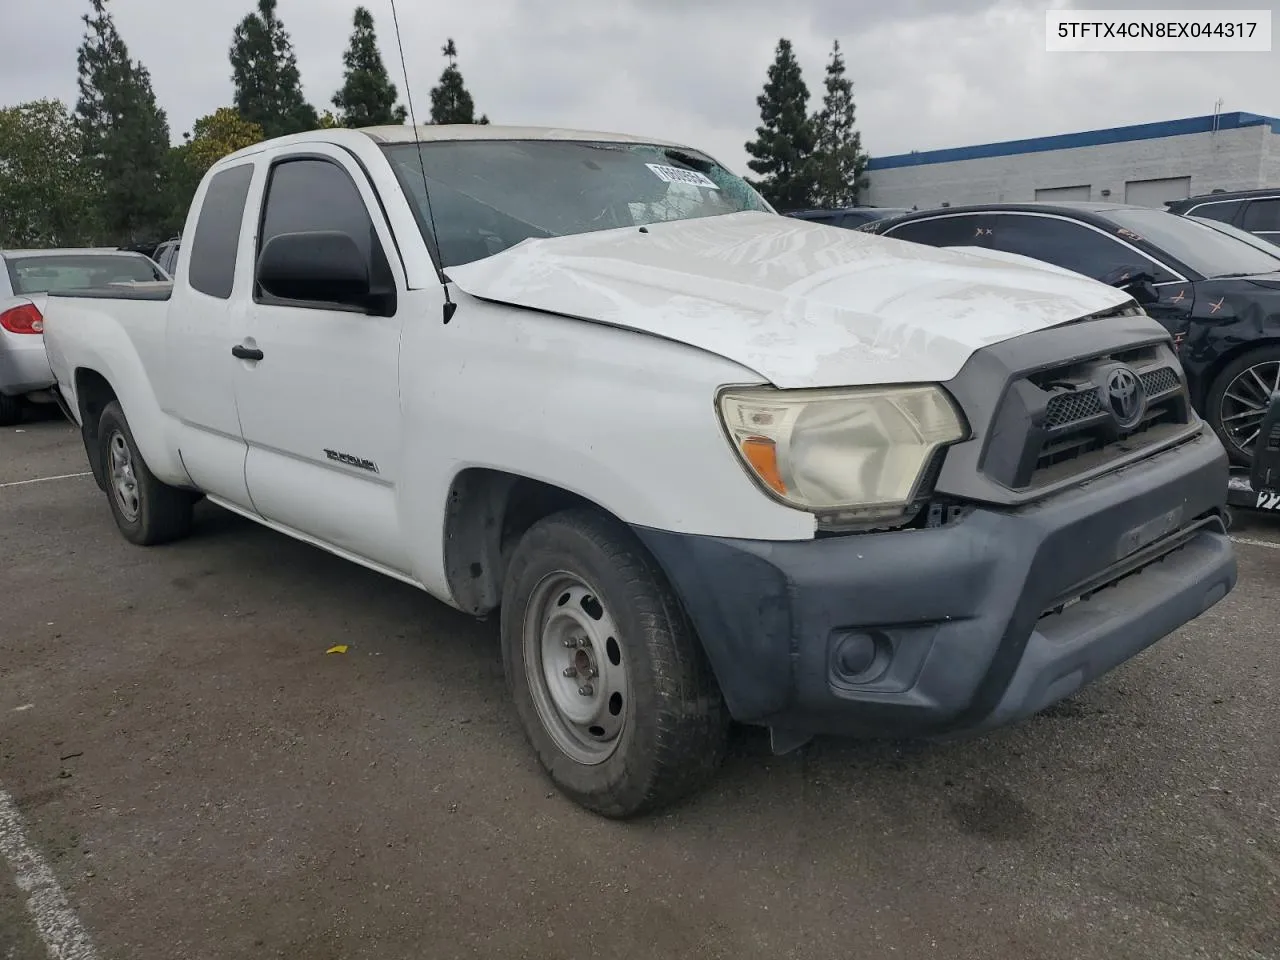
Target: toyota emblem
<point>1125,397</point>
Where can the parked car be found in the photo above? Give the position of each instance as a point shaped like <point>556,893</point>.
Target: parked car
<point>26,277</point>
<point>705,460</point>
<point>847,217</point>
<point>1218,294</point>
<point>166,255</point>
<point>1256,211</point>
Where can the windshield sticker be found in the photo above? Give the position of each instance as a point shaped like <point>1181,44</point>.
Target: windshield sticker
<point>678,175</point>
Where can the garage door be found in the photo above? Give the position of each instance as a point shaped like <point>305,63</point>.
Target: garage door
<point>1063,193</point>
<point>1153,193</point>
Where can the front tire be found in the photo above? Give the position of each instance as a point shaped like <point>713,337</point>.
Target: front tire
<point>147,511</point>
<point>1239,397</point>
<point>610,683</point>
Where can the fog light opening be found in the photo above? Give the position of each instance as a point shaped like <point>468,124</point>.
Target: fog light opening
<point>860,657</point>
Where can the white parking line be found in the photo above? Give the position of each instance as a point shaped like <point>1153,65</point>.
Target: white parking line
<point>63,476</point>
<point>1256,543</point>
<point>55,921</point>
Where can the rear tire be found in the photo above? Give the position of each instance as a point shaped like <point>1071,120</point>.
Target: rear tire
<point>1237,402</point>
<point>147,511</point>
<point>640,722</point>
<point>11,410</point>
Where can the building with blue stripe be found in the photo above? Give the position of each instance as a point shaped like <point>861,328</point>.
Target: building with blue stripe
<point>1146,163</point>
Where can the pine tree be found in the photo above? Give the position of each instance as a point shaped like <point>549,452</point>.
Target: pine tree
<point>367,97</point>
<point>783,146</point>
<point>124,134</point>
<point>450,101</point>
<point>839,164</point>
<point>268,87</point>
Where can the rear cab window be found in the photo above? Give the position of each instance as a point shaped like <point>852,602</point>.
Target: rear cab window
<point>212,263</point>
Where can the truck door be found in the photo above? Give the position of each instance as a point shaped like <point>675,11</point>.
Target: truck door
<point>317,386</point>
<point>204,320</point>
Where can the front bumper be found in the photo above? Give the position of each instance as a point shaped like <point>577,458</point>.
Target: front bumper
<point>973,624</point>
<point>24,365</point>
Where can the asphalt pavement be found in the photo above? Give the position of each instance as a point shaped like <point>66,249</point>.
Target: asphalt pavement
<point>202,780</point>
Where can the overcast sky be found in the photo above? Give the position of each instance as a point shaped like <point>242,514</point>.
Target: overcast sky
<point>928,73</point>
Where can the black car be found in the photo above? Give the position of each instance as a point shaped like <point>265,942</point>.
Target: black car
<point>1256,211</point>
<point>1218,295</point>
<point>848,217</point>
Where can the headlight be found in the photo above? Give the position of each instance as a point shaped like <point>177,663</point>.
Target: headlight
<point>855,455</point>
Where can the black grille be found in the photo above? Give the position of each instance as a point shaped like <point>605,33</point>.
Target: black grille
<point>1054,424</point>
<point>1065,408</point>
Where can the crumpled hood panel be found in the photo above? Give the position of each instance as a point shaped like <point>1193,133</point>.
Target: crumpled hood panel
<point>802,304</point>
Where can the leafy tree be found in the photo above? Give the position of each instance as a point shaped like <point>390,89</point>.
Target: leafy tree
<point>784,140</point>
<point>367,97</point>
<point>45,198</point>
<point>214,136</point>
<point>450,101</point>
<point>124,134</point>
<point>268,87</point>
<point>839,165</point>
<point>329,121</point>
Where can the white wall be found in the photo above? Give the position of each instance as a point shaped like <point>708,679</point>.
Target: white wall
<point>1235,159</point>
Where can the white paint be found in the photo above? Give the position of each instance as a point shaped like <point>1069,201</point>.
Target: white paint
<point>1256,543</point>
<point>55,921</point>
<point>801,303</point>
<point>63,476</point>
<point>24,707</point>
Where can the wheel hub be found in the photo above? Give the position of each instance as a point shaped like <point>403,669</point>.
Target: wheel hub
<point>573,662</point>
<point>124,481</point>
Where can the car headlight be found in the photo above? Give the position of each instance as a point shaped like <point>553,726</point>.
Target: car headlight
<point>854,455</point>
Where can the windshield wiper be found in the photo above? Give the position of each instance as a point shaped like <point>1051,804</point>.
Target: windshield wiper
<point>1245,273</point>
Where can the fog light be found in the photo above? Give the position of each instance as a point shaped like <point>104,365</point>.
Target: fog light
<point>861,657</point>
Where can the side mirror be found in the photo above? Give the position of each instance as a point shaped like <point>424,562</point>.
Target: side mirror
<point>1135,281</point>
<point>321,266</point>
<point>1143,291</point>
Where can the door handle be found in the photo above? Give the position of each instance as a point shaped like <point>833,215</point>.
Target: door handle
<point>246,353</point>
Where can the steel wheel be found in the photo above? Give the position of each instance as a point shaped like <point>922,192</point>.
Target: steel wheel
<point>124,481</point>
<point>575,668</point>
<point>1245,402</point>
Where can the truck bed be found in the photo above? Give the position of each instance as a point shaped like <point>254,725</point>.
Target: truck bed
<point>160,290</point>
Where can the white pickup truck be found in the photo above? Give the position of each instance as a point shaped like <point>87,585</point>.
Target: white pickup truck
<point>710,462</point>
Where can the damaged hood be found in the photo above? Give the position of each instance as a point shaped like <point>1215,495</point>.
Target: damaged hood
<point>801,304</point>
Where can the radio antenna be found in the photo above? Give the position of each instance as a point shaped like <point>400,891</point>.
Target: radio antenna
<point>449,306</point>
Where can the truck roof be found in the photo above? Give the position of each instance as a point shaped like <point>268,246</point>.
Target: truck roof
<point>403,133</point>
<point>433,132</point>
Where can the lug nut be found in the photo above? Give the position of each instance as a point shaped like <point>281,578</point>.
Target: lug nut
<point>570,672</point>
<point>586,690</point>
<point>570,643</point>
<point>593,672</point>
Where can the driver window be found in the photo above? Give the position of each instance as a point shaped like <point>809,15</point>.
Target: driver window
<point>1066,244</point>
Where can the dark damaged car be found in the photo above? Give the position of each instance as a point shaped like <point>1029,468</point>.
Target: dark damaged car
<point>1216,293</point>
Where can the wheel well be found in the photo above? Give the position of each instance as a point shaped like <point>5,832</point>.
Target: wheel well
<point>93,393</point>
<point>487,514</point>
<point>1212,373</point>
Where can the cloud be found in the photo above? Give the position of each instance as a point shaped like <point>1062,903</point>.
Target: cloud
<point>927,73</point>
